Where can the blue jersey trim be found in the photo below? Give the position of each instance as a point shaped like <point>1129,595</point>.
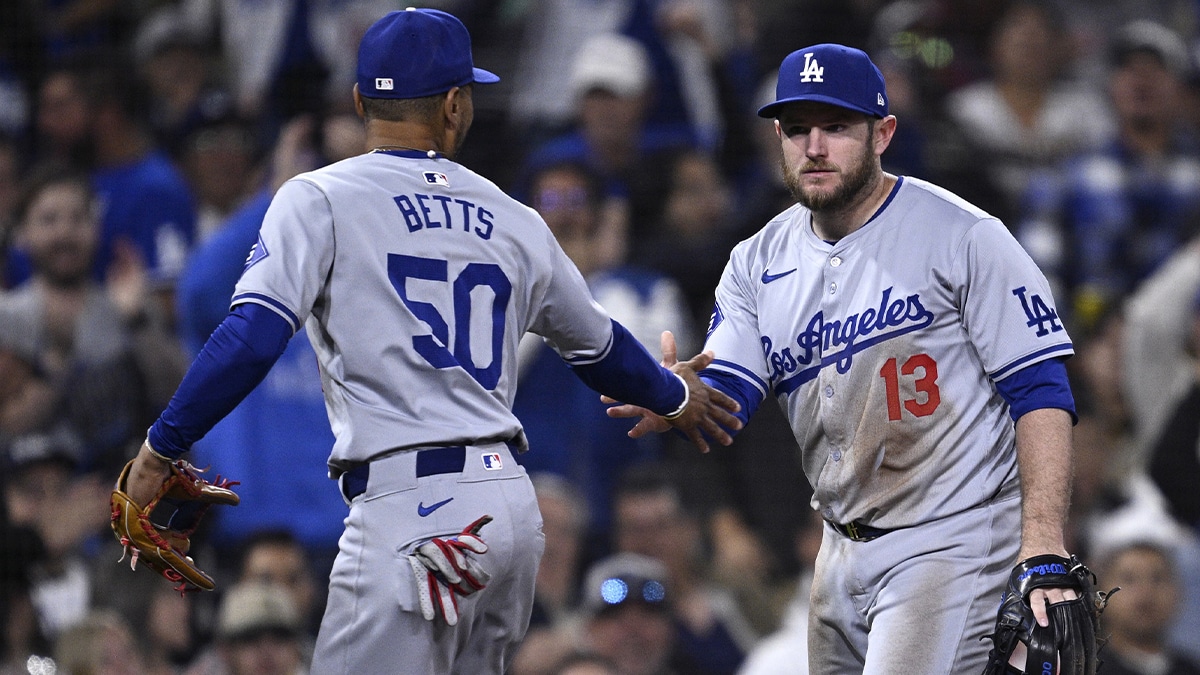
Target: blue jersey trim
<point>629,374</point>
<point>754,379</point>
<point>890,197</point>
<point>587,360</point>
<point>289,314</point>
<point>737,388</point>
<point>411,154</point>
<point>1044,384</point>
<point>1064,348</point>
<point>236,358</point>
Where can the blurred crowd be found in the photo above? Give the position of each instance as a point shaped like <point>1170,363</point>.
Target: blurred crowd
<point>141,141</point>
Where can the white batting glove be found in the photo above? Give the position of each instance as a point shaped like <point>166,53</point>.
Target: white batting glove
<point>443,570</point>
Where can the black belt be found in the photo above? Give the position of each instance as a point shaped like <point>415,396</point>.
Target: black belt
<point>430,462</point>
<point>857,531</point>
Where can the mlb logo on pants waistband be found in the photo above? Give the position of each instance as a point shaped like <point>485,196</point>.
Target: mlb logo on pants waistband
<point>492,461</point>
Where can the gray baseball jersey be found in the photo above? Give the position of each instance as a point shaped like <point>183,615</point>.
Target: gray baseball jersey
<point>883,348</point>
<point>422,265</point>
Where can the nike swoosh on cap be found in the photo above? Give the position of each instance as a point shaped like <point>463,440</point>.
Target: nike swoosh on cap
<point>423,510</point>
<point>767,277</point>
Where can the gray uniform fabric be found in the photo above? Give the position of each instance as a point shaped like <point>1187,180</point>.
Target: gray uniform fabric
<point>416,279</point>
<point>883,349</point>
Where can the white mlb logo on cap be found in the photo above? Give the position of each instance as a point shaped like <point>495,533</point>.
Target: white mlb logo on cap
<point>383,83</point>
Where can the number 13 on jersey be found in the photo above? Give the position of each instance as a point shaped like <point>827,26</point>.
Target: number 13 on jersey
<point>923,368</point>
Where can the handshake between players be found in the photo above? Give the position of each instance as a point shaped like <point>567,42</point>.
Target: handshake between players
<point>707,413</point>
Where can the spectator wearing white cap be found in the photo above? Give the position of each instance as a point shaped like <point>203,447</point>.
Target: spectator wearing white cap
<point>612,86</point>
<point>259,632</point>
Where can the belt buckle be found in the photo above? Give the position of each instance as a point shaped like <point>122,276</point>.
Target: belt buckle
<point>852,531</point>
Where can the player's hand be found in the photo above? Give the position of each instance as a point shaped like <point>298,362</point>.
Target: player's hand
<point>709,411</point>
<point>146,476</point>
<point>1041,598</point>
<point>443,569</point>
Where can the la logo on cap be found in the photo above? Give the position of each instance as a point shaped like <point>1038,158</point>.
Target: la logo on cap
<point>813,72</point>
<point>383,83</point>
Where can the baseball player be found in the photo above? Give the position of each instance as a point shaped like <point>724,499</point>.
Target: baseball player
<point>903,331</point>
<point>416,278</point>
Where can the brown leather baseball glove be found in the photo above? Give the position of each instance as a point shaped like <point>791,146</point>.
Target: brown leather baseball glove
<point>162,544</point>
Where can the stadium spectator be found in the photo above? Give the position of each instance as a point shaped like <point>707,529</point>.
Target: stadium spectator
<point>1110,217</point>
<point>628,602</point>
<point>550,638</point>
<point>556,32</point>
<point>183,86</point>
<point>43,492</point>
<point>287,57</point>
<point>282,422</point>
<point>91,115</point>
<point>650,519</point>
<point>611,86</point>
<point>1139,619</point>
<point>1028,114</point>
<point>579,441</point>
<point>786,650</point>
<point>219,160</point>
<point>100,644</point>
<point>101,358</point>
<point>259,632</point>
<point>1162,382</point>
<point>277,558</point>
<point>697,224</point>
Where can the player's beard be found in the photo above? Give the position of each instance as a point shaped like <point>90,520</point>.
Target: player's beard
<point>857,179</point>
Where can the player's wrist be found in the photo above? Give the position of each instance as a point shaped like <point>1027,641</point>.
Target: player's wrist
<point>155,453</point>
<point>687,396</point>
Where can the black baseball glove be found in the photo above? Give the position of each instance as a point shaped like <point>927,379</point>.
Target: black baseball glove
<point>1069,645</point>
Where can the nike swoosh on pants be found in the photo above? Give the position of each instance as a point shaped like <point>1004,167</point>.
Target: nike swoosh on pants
<point>423,510</point>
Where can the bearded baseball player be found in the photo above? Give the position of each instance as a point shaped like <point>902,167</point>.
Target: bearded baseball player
<point>415,278</point>
<point>918,354</point>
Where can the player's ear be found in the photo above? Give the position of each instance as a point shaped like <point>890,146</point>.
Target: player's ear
<point>883,131</point>
<point>358,104</point>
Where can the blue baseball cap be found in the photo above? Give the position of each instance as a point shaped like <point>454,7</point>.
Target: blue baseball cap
<point>833,74</point>
<point>415,53</point>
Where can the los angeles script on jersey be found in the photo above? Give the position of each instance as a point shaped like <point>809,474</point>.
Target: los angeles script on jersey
<point>854,333</point>
<point>443,212</point>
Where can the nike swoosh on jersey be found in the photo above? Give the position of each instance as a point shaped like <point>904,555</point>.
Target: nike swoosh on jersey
<point>767,277</point>
<point>423,510</point>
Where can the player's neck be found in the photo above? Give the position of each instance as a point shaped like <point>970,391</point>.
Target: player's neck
<point>387,135</point>
<point>836,224</point>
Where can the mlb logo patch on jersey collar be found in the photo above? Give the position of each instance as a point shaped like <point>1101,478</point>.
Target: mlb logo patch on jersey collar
<point>492,461</point>
<point>437,178</point>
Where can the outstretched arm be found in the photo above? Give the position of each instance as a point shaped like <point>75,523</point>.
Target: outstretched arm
<point>709,411</point>
<point>1044,462</point>
<point>236,358</point>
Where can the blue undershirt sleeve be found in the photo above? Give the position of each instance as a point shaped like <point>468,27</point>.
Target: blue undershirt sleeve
<point>746,394</point>
<point>630,374</point>
<point>236,358</point>
<point>1041,385</point>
